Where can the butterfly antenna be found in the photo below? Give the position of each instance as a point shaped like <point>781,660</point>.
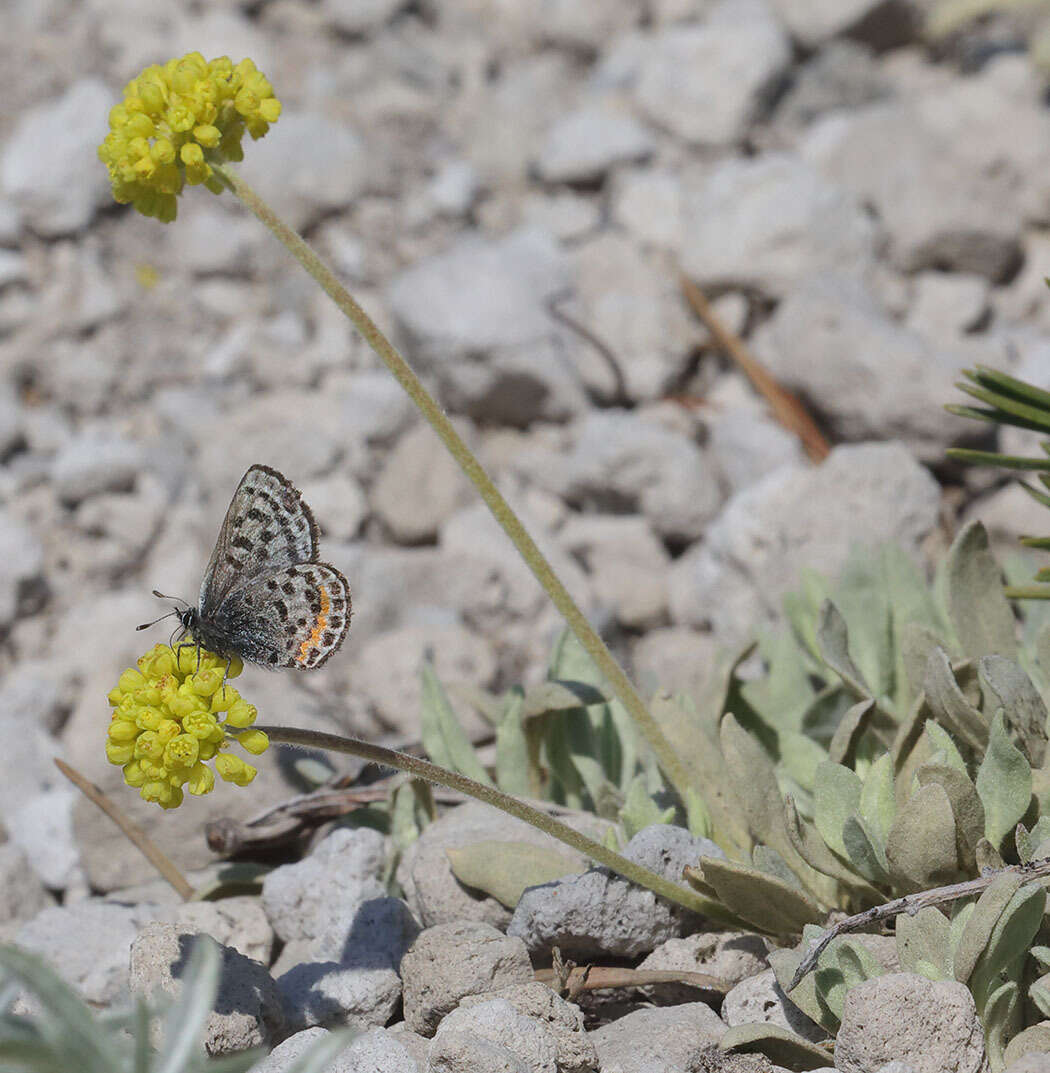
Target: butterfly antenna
<point>146,625</point>
<point>161,596</point>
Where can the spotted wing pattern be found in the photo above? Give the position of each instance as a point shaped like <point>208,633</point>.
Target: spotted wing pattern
<point>267,527</point>
<point>293,617</point>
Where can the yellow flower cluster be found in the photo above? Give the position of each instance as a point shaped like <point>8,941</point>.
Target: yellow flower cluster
<point>171,717</point>
<point>176,121</point>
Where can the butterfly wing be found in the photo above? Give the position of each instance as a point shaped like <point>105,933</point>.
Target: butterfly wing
<point>293,617</point>
<point>267,527</point>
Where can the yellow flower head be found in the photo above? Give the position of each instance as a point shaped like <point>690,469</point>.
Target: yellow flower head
<point>176,121</point>
<point>171,716</point>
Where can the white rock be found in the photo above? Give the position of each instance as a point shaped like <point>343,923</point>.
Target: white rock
<point>566,215</point>
<point>707,83</point>
<point>455,188</point>
<point>648,204</point>
<point>931,1025</point>
<point>731,956</point>
<point>88,944</point>
<point>584,144</point>
<point>50,166</point>
<point>759,999</point>
<point>765,222</point>
<point>476,317</point>
<point>633,304</point>
<point>322,162</point>
<point>794,518</point>
<point>425,874</point>
<point>497,1023</point>
<point>302,900</point>
<point>238,922</point>
<point>97,460</point>
<point>601,913</point>
<point>675,659</point>
<point>46,819</point>
<point>419,487</point>
<point>623,461</point>
<point>938,210</point>
<point>212,237</point>
<point>387,668</point>
<point>746,444</point>
<point>882,23</point>
<point>246,1012</point>
<point>946,304</point>
<point>338,503</point>
<point>22,895</point>
<point>21,565</point>
<point>450,961</point>
<point>350,975</point>
<point>658,1041</point>
<point>831,344</point>
<point>360,16</point>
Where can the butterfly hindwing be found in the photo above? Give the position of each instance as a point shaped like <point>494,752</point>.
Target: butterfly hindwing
<point>293,617</point>
<point>267,527</point>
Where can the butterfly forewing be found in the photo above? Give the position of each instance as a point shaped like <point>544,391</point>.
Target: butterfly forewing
<point>293,617</point>
<point>267,527</point>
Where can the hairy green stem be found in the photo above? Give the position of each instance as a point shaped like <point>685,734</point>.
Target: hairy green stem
<point>423,769</point>
<point>668,759</point>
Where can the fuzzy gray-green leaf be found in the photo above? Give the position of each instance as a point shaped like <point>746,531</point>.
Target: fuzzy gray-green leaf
<point>921,843</point>
<point>833,639</point>
<point>982,920</point>
<point>780,1045</point>
<point>966,808</point>
<point>847,963</point>
<point>836,797</point>
<point>768,903</point>
<point>504,869</point>
<point>980,613</point>
<point>443,737</point>
<point>925,937</point>
<point>1022,705</point>
<point>1004,783</point>
<point>949,703</point>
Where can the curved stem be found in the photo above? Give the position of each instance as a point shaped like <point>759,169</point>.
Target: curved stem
<point>672,765</point>
<point>423,769</point>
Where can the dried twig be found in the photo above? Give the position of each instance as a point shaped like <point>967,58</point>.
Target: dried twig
<point>911,904</point>
<point>786,408</point>
<point>596,977</point>
<point>135,835</point>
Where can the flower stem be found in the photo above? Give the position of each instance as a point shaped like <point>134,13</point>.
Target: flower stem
<point>453,780</point>
<point>673,767</point>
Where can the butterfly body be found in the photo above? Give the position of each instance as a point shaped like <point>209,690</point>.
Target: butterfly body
<point>265,597</point>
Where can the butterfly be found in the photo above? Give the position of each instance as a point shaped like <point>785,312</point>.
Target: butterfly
<point>264,596</point>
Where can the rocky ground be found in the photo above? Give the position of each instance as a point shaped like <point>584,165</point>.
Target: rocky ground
<point>510,189</point>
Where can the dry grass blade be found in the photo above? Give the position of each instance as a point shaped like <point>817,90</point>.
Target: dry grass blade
<point>786,408</point>
<point>135,835</point>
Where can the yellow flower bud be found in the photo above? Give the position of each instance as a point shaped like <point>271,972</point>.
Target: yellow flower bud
<point>254,741</point>
<point>201,780</point>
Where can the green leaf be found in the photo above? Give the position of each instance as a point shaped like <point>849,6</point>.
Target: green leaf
<point>966,808</point>
<point>754,785</point>
<point>836,797</point>
<point>780,1045</point>
<point>504,869</point>
<point>444,739</point>
<point>925,937</point>
<point>559,696</point>
<point>877,804</point>
<point>916,644</point>
<point>846,963</point>
<point>513,773</point>
<point>866,853</point>
<point>980,613</point>
<point>1024,709</point>
<point>942,749</point>
<point>843,747</point>
<point>982,920</point>
<point>862,596</point>
<point>833,641</point>
<point>813,850</point>
<point>764,901</point>
<point>949,704</point>
<point>640,810</point>
<point>1004,783</point>
<point>784,693</point>
<point>800,756</point>
<point>921,844</point>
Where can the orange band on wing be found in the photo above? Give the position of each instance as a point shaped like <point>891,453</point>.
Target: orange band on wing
<point>315,634</point>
